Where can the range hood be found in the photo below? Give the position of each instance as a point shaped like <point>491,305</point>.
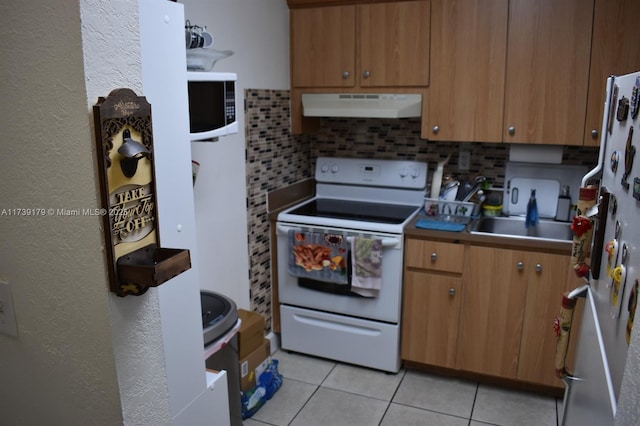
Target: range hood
<point>367,105</point>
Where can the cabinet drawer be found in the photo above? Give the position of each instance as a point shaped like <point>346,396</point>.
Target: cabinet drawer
<point>434,255</point>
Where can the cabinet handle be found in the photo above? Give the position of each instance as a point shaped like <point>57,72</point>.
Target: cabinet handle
<point>452,291</point>
<point>434,256</point>
<point>436,129</point>
<point>594,133</point>
<point>346,74</point>
<point>538,267</point>
<point>512,130</point>
<point>366,74</point>
<point>520,266</point>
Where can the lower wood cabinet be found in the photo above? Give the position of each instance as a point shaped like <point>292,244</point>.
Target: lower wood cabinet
<point>430,318</point>
<point>549,276</point>
<point>432,296</point>
<point>492,312</point>
<point>494,317</point>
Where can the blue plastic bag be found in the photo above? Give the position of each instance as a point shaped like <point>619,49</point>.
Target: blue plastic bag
<point>268,384</point>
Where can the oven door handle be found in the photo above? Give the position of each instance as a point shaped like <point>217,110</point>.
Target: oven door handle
<point>386,242</point>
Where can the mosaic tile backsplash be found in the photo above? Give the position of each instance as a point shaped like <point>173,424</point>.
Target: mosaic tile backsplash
<point>276,159</point>
<point>273,160</point>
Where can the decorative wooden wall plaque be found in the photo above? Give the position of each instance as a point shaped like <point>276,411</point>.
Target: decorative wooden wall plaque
<point>124,141</point>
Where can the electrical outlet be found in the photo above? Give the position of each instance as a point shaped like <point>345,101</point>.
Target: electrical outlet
<point>8,324</point>
<point>464,160</point>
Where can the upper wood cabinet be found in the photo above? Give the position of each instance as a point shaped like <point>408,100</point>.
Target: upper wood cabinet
<point>614,51</point>
<point>509,70</point>
<point>366,45</point>
<point>468,55</point>
<point>549,44</point>
<point>394,44</point>
<point>323,43</point>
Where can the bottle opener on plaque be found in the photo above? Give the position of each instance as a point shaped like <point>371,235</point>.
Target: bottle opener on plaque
<point>124,141</point>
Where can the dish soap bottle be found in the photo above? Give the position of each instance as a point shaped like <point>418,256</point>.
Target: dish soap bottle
<point>532,211</point>
<point>564,204</point>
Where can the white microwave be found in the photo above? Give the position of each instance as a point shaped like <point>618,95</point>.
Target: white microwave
<point>212,104</point>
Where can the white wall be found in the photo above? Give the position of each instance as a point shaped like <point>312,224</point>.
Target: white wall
<point>113,60</point>
<point>81,352</point>
<point>258,33</point>
<point>62,368</point>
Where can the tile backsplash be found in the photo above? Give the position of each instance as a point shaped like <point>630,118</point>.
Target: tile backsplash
<point>273,160</point>
<point>276,159</point>
<point>400,139</point>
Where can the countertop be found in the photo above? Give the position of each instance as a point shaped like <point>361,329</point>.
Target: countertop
<point>281,199</point>
<point>487,240</point>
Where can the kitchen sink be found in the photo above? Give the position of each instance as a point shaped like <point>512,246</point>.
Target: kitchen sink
<point>514,227</point>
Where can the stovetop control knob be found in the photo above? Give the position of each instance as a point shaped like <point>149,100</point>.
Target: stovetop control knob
<point>324,168</point>
<point>403,172</point>
<point>334,168</point>
<point>415,172</point>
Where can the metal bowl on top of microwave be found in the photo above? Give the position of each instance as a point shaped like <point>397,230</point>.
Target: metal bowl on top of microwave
<point>219,315</point>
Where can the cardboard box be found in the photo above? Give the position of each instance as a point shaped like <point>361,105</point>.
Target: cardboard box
<point>251,332</point>
<point>254,364</point>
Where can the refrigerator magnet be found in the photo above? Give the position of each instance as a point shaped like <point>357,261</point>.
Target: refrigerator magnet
<point>623,109</point>
<point>635,98</point>
<point>636,188</point>
<point>615,160</point>
<point>619,275</point>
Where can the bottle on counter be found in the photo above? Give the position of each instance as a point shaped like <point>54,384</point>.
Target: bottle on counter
<point>436,181</point>
<point>532,217</point>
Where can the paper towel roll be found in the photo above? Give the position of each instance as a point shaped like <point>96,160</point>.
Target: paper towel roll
<point>548,154</point>
<point>436,182</point>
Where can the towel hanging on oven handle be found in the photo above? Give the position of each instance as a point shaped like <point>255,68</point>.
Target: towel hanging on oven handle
<point>386,242</point>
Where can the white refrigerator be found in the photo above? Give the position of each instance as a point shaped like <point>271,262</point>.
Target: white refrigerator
<point>593,387</point>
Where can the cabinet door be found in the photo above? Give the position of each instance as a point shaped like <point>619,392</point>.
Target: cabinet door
<point>394,44</point>
<point>547,280</point>
<point>549,44</point>
<point>323,42</point>
<point>614,51</point>
<point>492,311</point>
<point>430,318</point>
<point>466,94</point>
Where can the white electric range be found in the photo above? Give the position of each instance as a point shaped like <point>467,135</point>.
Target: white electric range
<point>367,198</point>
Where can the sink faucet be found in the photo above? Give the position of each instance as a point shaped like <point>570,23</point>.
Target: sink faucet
<point>476,188</point>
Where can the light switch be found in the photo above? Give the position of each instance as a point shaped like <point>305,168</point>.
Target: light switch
<point>464,160</point>
<point>8,324</point>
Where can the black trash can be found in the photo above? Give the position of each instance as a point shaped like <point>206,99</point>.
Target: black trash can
<point>219,317</point>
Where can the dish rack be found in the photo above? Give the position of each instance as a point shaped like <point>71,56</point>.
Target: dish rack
<point>451,211</point>
<point>446,215</point>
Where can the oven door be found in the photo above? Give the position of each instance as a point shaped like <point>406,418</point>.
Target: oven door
<point>295,291</point>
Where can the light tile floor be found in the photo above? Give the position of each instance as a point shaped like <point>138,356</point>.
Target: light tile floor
<point>319,392</point>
